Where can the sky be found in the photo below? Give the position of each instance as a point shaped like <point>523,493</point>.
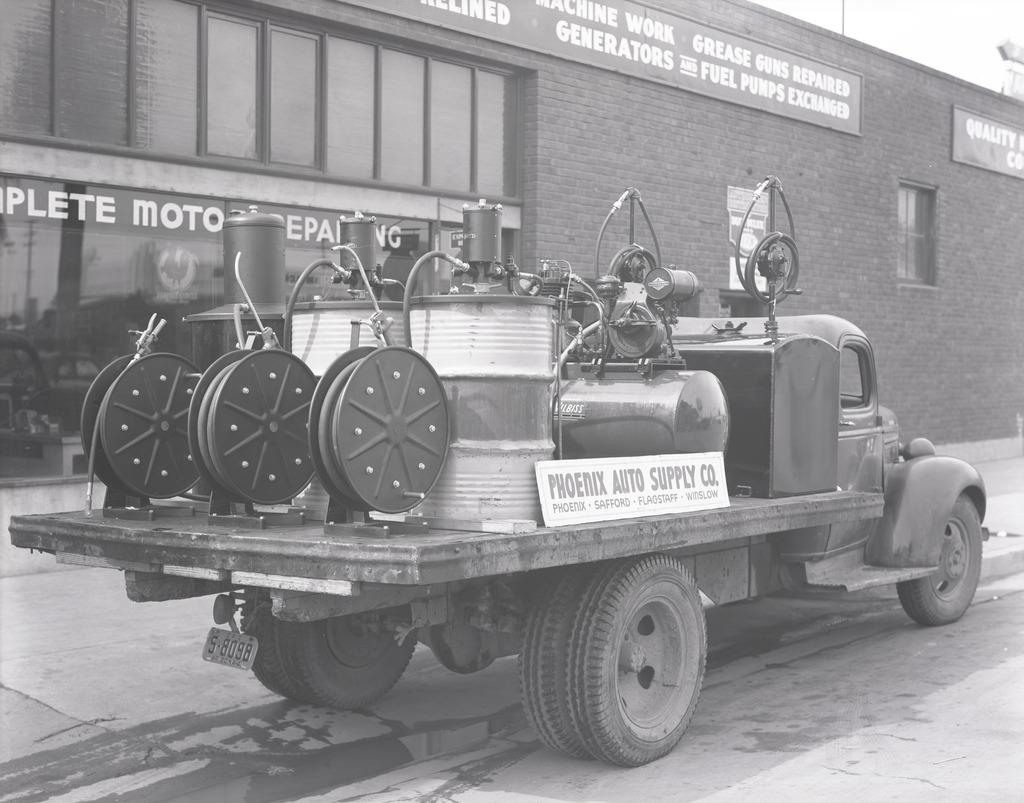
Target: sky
<point>958,37</point>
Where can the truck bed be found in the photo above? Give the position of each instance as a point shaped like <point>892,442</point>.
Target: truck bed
<point>304,557</point>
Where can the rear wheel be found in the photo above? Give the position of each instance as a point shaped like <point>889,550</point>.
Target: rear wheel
<point>543,663</point>
<point>344,662</point>
<point>637,657</point>
<point>944,596</point>
<point>270,667</point>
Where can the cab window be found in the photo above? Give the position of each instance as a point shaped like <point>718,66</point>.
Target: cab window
<point>854,378</point>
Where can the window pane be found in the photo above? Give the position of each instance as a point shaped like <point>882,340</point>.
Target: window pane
<point>165,83</point>
<point>451,98</point>
<point>231,107</point>
<point>293,95</point>
<point>351,73</point>
<point>495,162</point>
<point>25,67</point>
<point>401,118</point>
<point>92,70</point>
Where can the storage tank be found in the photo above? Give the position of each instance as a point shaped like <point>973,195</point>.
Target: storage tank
<point>323,330</point>
<point>622,415</point>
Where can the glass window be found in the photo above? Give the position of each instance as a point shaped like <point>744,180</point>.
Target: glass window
<point>451,107</point>
<point>92,70</point>
<point>402,118</point>
<point>916,235</point>
<point>495,161</point>
<point>351,80</point>
<point>166,77</point>
<point>232,110</point>
<point>293,98</point>
<point>25,53</point>
<point>851,378</point>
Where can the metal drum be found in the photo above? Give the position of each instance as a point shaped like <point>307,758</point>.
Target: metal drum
<point>322,330</point>
<point>494,357</point>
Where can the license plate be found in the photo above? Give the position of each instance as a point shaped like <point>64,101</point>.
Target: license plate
<point>230,649</point>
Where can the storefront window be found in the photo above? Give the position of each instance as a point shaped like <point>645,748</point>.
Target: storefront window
<point>166,78</point>
<point>81,265</point>
<point>231,98</point>
<point>402,119</point>
<point>495,162</point>
<point>92,70</point>
<point>293,94</point>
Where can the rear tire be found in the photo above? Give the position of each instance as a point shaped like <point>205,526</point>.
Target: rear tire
<point>543,664</point>
<point>944,596</point>
<point>342,662</point>
<point>638,652</point>
<point>270,666</point>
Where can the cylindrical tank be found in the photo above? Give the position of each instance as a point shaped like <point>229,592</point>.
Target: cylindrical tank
<point>494,357</point>
<point>672,411</point>
<point>322,330</point>
<point>260,238</point>
<point>482,232</point>
<point>361,235</point>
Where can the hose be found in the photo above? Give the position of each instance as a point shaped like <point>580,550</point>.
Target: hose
<point>410,284</point>
<point>293,297</point>
<point>749,283</point>
<point>633,195</point>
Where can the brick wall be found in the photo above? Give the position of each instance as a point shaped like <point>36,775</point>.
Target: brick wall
<point>950,357</point>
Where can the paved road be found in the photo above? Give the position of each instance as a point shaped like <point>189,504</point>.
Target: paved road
<point>826,698</point>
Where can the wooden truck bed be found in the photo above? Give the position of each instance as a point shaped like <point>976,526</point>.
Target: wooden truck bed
<point>305,558</point>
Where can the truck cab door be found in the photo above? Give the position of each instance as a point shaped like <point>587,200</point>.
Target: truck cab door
<point>860,430</point>
<point>860,438</point>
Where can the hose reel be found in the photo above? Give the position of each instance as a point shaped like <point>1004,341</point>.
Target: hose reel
<point>378,429</point>
<point>134,426</point>
<point>248,421</point>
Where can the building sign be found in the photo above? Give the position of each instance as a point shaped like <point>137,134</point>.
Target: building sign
<point>634,40</point>
<point>607,488</point>
<point>982,142</point>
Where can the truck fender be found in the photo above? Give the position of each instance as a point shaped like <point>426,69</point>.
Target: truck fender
<point>919,498</point>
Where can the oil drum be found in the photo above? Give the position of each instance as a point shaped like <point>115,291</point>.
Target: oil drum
<point>323,330</point>
<point>494,357</point>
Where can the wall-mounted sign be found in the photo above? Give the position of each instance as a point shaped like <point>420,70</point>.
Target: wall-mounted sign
<point>607,488</point>
<point>629,38</point>
<point>986,143</point>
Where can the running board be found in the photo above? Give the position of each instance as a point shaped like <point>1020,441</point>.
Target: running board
<point>849,573</point>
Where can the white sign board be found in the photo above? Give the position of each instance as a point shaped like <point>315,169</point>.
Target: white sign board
<point>606,488</point>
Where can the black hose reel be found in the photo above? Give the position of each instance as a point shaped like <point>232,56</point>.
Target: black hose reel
<point>775,258</point>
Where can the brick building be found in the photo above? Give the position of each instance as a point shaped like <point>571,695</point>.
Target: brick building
<point>130,128</point>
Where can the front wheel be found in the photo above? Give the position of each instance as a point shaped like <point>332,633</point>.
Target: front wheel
<point>944,596</point>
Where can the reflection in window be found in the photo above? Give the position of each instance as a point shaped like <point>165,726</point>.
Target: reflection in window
<point>293,97</point>
<point>402,118</point>
<point>166,55</point>
<point>451,103</point>
<point>25,47</point>
<point>916,235</point>
<point>92,71</point>
<point>351,74</point>
<point>231,108</point>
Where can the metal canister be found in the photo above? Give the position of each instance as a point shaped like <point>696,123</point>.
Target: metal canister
<point>673,411</point>
<point>323,330</point>
<point>259,236</point>
<point>494,357</point>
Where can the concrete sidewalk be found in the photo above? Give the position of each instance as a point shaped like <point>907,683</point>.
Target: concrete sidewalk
<point>1004,517</point>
